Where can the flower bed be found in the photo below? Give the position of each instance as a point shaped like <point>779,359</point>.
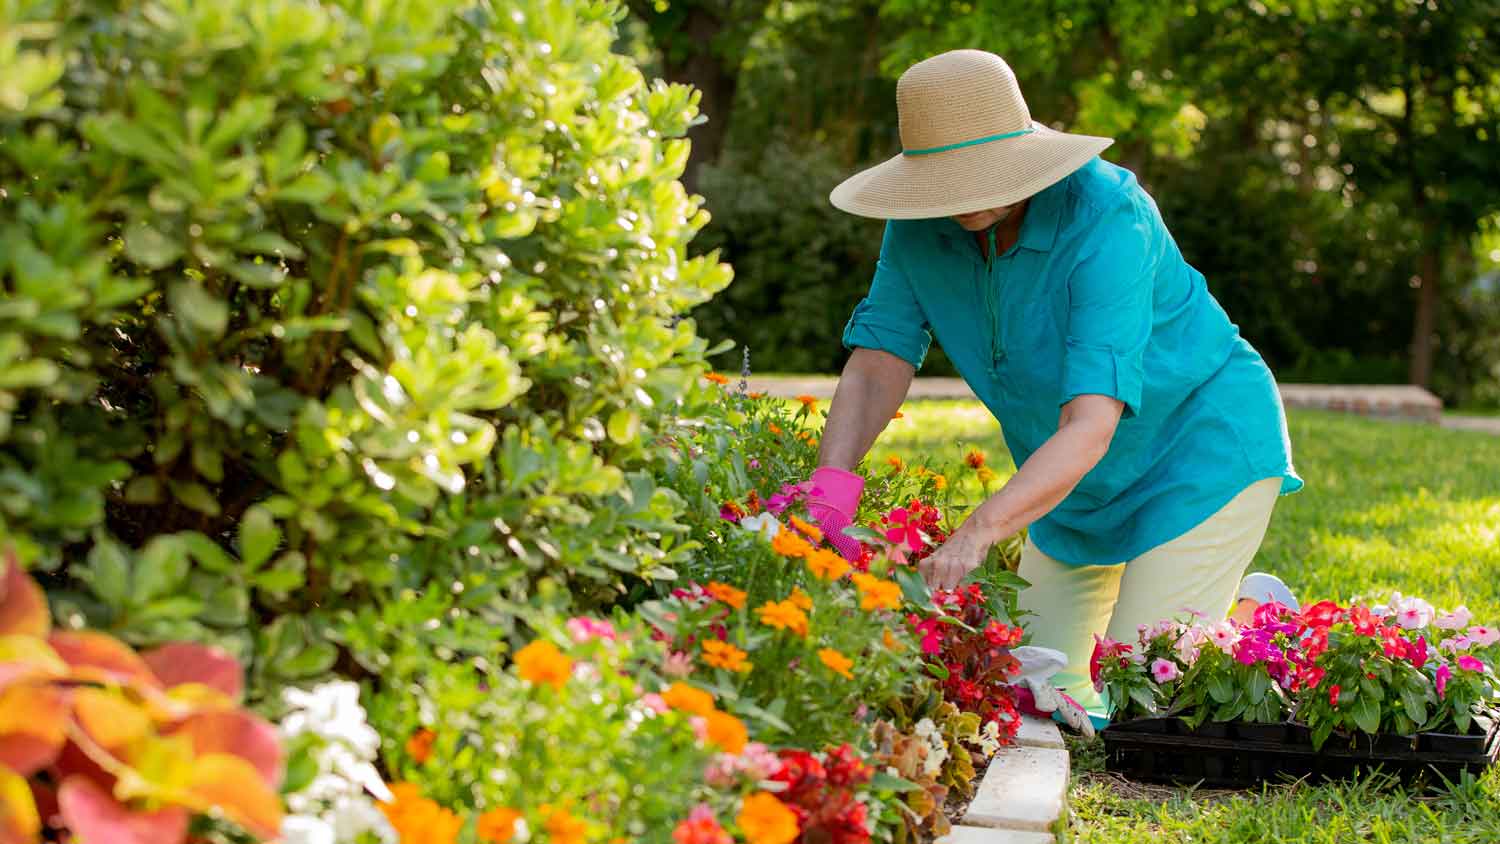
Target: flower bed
<point>1327,690</point>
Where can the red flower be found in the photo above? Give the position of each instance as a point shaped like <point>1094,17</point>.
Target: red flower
<point>803,774</point>
<point>1316,644</point>
<point>1333,695</point>
<point>1419,653</point>
<point>701,827</point>
<point>1322,615</point>
<point>845,768</point>
<point>903,528</point>
<point>1365,622</point>
<point>1396,646</point>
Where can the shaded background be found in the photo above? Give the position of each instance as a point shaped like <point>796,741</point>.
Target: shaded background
<point>1329,165</point>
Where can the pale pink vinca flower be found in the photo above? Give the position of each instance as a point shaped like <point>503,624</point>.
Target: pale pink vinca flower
<point>1483,636</point>
<point>1224,636</point>
<point>1411,613</point>
<point>1164,670</point>
<point>1456,620</point>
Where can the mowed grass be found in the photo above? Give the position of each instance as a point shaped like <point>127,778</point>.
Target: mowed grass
<point>1387,507</point>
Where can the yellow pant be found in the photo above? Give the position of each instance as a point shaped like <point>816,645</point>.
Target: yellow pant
<point>1199,570</point>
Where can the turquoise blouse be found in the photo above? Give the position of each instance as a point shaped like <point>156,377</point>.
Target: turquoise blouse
<point>1094,298</point>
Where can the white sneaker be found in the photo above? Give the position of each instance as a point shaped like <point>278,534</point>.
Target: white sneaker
<point>1264,588</point>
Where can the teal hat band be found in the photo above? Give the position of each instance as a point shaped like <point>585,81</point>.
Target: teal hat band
<point>975,142</point>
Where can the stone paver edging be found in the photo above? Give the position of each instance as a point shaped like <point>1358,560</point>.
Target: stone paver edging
<point>1023,796</point>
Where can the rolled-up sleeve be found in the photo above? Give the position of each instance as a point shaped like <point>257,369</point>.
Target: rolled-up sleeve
<point>890,319</point>
<point>1110,308</point>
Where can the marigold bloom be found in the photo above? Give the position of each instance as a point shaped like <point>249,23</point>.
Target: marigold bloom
<point>724,655</point>
<point>986,475</point>
<point>419,820</point>
<point>757,395</point>
<point>766,820</point>
<point>541,662</point>
<point>497,826</point>
<point>783,615</point>
<point>715,377</point>
<point>875,593</point>
<point>727,732</point>
<point>735,598</point>
<point>899,415</point>
<point>801,600</point>
<point>419,746</point>
<point>808,402</point>
<point>688,699</point>
<point>827,564</point>
<point>939,481</point>
<point>837,661</point>
<point>975,459</point>
<point>895,462</point>
<point>789,544</point>
<point>774,428</point>
<point>890,641</point>
<point>807,529</point>
<point>561,826</point>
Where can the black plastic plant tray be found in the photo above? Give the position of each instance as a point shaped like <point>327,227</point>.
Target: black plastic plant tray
<point>1242,755</point>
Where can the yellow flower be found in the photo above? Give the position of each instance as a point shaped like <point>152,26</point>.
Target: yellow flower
<point>715,377</point>
<point>939,482</point>
<point>986,474</point>
<point>497,826</point>
<point>726,593</point>
<point>789,544</point>
<point>693,701</point>
<point>807,529</point>
<point>723,655</point>
<point>541,662</point>
<point>561,826</point>
<point>975,458</point>
<point>837,661</point>
<point>783,615</point>
<point>827,564</point>
<point>808,402</point>
<point>895,462</point>
<point>766,820</point>
<point>727,732</point>
<point>875,593</point>
<point>801,600</point>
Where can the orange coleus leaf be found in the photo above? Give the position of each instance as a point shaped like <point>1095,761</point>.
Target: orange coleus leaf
<point>184,662</point>
<point>23,607</point>
<point>237,733</point>
<point>96,817</point>
<point>33,727</point>
<point>27,658</point>
<point>19,821</point>
<point>233,787</point>
<point>101,658</point>
<point>112,720</point>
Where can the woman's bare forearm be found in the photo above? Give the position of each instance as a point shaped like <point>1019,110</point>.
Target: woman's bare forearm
<point>870,390</point>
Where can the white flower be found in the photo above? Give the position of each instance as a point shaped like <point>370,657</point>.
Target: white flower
<point>925,728</point>
<point>353,817</point>
<point>764,524</point>
<point>1456,620</point>
<point>989,738</point>
<point>302,829</point>
<point>1411,613</point>
<point>335,806</point>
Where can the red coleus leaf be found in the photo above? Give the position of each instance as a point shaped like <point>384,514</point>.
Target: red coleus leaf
<point>23,607</point>
<point>92,815</point>
<point>185,662</point>
<point>101,658</point>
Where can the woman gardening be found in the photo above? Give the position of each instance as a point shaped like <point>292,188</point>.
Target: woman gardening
<point>1150,437</point>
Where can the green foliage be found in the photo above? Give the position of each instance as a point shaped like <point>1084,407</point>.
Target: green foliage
<point>308,304</point>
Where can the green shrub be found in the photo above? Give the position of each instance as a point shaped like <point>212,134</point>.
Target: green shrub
<point>309,303</point>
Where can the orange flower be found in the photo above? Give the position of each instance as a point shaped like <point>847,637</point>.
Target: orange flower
<point>419,746</point>
<point>836,661</point>
<point>541,662</point>
<point>757,395</point>
<point>891,641</point>
<point>801,600</point>
<point>727,732</point>
<point>723,655</point>
<point>726,593</point>
<point>789,544</point>
<point>808,402</point>
<point>562,827</point>
<point>827,564</point>
<point>939,482</point>
<point>805,436</point>
<point>808,529</point>
<point>975,458</point>
<point>875,593</point>
<point>766,820</point>
<point>734,509</point>
<point>783,615</point>
<point>683,697</point>
<point>715,377</point>
<point>899,415</point>
<point>895,462</point>
<point>418,820</point>
<point>986,475</point>
<point>497,826</point>
<point>775,429</point>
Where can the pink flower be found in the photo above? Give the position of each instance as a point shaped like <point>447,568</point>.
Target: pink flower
<point>583,629</point>
<point>1224,636</point>
<point>904,529</point>
<point>1457,643</point>
<point>1483,636</point>
<point>655,703</point>
<point>1456,620</point>
<point>1411,613</point>
<point>678,664</point>
<point>1164,670</point>
<point>1443,674</point>
<point>1470,663</point>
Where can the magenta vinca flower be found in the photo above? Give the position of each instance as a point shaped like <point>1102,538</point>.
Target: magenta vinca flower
<point>1470,663</point>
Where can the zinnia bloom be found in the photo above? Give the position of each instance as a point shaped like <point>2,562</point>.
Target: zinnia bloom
<point>875,593</point>
<point>701,827</point>
<point>808,402</point>
<point>986,475</point>
<point>727,732</point>
<point>827,564</point>
<point>685,698</point>
<point>1164,670</point>
<point>836,661</point>
<point>975,458</point>
<point>765,820</point>
<point>563,828</point>
<point>418,819</point>
<point>789,544</point>
<point>497,826</point>
<point>541,662</point>
<point>419,746</point>
<point>735,598</point>
<point>801,600</point>
<point>895,462</point>
<point>724,655</point>
<point>807,529</point>
<point>783,615</point>
<point>939,482</point>
<point>774,428</point>
<point>715,377</point>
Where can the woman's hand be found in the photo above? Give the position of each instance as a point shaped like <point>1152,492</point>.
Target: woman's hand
<point>953,560</point>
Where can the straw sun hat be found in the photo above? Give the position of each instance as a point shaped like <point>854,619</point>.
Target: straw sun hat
<point>968,143</point>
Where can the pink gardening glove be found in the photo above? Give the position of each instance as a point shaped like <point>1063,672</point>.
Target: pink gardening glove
<point>832,505</point>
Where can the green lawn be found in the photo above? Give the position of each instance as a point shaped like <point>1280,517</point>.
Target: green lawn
<point>1387,506</point>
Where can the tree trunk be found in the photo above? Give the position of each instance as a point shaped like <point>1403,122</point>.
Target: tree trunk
<point>716,78</point>
<point>1430,268</point>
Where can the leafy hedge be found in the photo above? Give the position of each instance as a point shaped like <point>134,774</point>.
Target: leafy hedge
<point>307,305</point>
